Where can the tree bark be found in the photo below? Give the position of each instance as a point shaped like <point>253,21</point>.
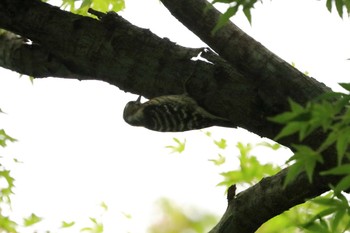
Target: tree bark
<point>241,81</point>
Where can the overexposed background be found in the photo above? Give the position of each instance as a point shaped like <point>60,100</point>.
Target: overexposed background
<point>76,150</point>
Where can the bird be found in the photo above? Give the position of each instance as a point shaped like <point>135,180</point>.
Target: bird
<point>170,113</point>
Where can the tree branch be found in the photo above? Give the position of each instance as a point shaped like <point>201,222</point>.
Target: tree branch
<point>26,58</point>
<point>246,84</point>
<point>131,58</point>
<point>264,69</point>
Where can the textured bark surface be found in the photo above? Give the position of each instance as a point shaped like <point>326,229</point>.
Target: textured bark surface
<point>243,81</point>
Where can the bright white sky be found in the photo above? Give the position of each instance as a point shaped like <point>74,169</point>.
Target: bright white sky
<point>77,151</point>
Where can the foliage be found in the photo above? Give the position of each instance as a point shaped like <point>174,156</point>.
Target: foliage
<point>81,7</point>
<point>7,185</point>
<point>327,213</point>
<point>7,224</point>
<point>175,219</point>
<point>6,188</point>
<point>340,6</point>
<point>97,226</point>
<point>234,6</point>
<point>332,216</point>
<point>250,169</point>
<point>330,114</point>
<point>179,147</point>
<point>247,5</point>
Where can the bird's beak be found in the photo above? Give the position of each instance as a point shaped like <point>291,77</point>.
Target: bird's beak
<point>138,99</point>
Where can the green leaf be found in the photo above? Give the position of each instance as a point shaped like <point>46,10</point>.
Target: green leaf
<point>339,6</point>
<point>4,138</point>
<point>97,227</point>
<point>5,193</point>
<point>231,177</point>
<point>221,144</point>
<point>94,220</point>
<point>306,129</point>
<point>309,169</point>
<point>224,18</point>
<point>321,226</point>
<point>326,212</point>
<point>104,206</point>
<point>342,143</point>
<point>307,158</point>
<point>322,115</point>
<point>284,118</point>
<point>86,229</point>
<point>207,133</point>
<point>295,107</point>
<point>247,14</point>
<point>329,5</point>
<point>244,149</point>
<point>331,138</point>
<point>118,6</point>
<point>346,86</point>
<point>343,184</point>
<point>273,146</point>
<point>347,5</point>
<point>179,148</point>
<point>327,201</point>
<point>31,220</point>
<point>219,161</point>
<point>289,129</point>
<point>330,96</point>
<point>67,224</point>
<point>7,225</point>
<point>85,4</point>
<point>339,170</point>
<point>292,173</point>
<point>339,215</point>
<point>126,215</point>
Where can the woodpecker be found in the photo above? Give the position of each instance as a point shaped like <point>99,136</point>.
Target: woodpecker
<point>172,113</point>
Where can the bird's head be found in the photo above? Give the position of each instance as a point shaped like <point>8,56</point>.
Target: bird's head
<point>130,113</point>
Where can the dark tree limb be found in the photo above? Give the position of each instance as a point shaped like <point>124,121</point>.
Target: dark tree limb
<point>22,56</point>
<point>246,83</point>
<point>129,57</point>
<point>267,72</point>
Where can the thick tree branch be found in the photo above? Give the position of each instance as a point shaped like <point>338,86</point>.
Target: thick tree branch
<point>251,208</point>
<point>131,58</point>
<point>266,71</point>
<point>24,57</point>
<point>251,86</point>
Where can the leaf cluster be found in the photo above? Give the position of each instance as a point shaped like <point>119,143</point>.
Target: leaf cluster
<point>328,213</point>
<point>7,224</point>
<point>7,187</point>
<point>329,113</point>
<point>250,170</point>
<point>247,5</point>
<point>81,7</point>
<point>234,6</point>
<point>179,146</point>
<point>175,218</point>
<point>331,214</point>
<point>340,5</point>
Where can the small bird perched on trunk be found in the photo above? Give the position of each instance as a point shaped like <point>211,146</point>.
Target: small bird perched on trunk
<point>172,113</point>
